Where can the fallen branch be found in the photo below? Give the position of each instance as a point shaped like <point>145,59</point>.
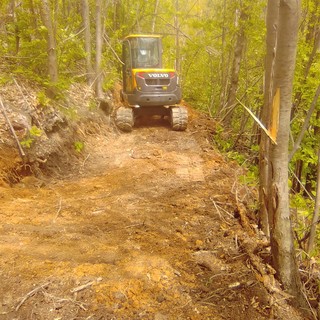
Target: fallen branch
<point>30,294</point>
<point>58,300</point>
<point>84,286</point>
<point>219,213</point>
<point>21,152</point>
<point>22,94</point>
<point>266,131</point>
<point>109,45</point>
<point>29,105</point>
<point>87,157</point>
<point>264,272</point>
<point>244,220</point>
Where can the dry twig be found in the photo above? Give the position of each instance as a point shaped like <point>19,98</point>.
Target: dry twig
<point>218,210</point>
<point>58,299</point>
<point>21,152</point>
<point>84,286</point>
<point>59,210</point>
<point>87,157</point>
<point>30,294</point>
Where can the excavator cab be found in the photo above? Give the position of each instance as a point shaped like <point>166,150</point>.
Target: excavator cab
<point>144,52</point>
<point>148,88</point>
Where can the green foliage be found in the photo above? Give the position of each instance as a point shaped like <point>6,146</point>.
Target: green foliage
<point>70,113</point>
<point>4,79</point>
<point>33,133</point>
<point>238,157</point>
<point>303,209</point>
<point>79,146</point>
<point>303,204</point>
<point>27,143</point>
<point>220,140</point>
<point>93,105</point>
<point>201,48</point>
<point>306,82</point>
<point>42,98</point>
<point>251,177</point>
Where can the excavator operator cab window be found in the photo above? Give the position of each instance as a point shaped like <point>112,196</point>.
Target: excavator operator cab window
<point>146,52</point>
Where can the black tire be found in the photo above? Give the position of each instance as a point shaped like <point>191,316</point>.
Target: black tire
<point>179,118</point>
<point>124,119</point>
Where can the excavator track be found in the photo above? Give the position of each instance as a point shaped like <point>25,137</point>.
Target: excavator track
<point>124,119</point>
<point>179,118</point>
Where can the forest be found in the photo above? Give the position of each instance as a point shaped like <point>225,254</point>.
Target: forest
<point>251,66</point>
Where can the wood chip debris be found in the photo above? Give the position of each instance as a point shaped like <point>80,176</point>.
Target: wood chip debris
<point>84,286</point>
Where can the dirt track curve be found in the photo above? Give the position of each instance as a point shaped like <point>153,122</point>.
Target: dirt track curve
<point>142,228</point>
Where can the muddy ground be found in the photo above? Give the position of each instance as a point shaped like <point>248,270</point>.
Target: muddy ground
<point>142,225</point>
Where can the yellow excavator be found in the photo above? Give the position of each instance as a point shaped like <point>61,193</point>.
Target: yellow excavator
<point>148,88</point>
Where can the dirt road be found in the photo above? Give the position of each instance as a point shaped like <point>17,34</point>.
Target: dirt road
<point>142,227</point>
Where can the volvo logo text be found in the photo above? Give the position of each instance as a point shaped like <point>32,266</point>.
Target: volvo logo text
<point>158,75</point>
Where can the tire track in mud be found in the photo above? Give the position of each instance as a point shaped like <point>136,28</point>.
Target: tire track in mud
<point>190,168</point>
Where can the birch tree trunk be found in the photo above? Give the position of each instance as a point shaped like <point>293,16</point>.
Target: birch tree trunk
<point>281,233</point>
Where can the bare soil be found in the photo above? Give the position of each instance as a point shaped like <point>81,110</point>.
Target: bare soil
<point>142,225</point>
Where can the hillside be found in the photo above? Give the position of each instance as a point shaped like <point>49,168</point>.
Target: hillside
<point>99,224</point>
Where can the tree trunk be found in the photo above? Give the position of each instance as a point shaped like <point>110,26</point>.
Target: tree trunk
<point>312,36</point>
<point>154,18</point>
<point>117,14</point>
<point>281,233</point>
<point>16,28</point>
<point>223,69</point>
<point>306,123</point>
<point>264,176</point>
<point>99,92</point>
<point>33,20</point>
<point>309,179</point>
<point>312,168</point>
<point>316,210</point>
<point>87,40</point>
<point>296,179</point>
<point>51,42</point>
<point>236,65</point>
<point>177,42</point>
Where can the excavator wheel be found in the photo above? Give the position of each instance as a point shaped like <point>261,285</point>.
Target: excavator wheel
<point>124,119</point>
<point>179,118</point>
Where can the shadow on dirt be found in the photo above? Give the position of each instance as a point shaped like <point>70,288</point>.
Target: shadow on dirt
<point>152,121</point>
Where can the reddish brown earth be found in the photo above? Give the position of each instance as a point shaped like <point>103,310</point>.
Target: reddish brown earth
<point>138,226</point>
